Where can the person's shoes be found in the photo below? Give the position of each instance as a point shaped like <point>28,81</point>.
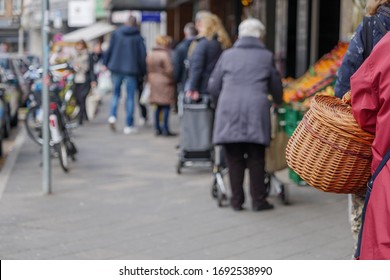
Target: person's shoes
<point>263,206</point>
<point>158,132</point>
<point>238,208</point>
<point>111,122</point>
<point>130,130</point>
<point>169,134</point>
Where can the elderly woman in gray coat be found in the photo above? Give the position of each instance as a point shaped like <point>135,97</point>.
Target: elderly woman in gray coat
<point>240,84</point>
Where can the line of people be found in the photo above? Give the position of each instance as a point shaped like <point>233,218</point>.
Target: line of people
<point>241,79</point>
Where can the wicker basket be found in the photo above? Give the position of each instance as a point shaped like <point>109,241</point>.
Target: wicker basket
<point>329,150</point>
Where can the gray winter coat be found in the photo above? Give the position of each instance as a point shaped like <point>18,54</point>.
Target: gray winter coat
<point>239,84</point>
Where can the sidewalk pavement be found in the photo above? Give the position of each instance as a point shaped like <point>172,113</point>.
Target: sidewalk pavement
<point>122,199</point>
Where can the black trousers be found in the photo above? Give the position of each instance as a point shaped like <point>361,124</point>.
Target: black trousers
<point>240,156</point>
<point>81,92</point>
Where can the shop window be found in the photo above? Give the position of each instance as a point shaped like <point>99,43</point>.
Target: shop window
<point>2,7</point>
<point>16,6</point>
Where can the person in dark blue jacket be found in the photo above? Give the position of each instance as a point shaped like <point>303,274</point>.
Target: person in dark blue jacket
<point>126,59</point>
<point>355,53</point>
<point>180,56</point>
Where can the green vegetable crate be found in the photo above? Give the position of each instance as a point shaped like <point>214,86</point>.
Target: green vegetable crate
<point>295,177</point>
<point>289,117</point>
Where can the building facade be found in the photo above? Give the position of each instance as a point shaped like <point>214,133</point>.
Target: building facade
<point>299,32</point>
<point>10,11</point>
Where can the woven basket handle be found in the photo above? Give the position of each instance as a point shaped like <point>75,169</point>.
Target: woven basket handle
<point>347,98</point>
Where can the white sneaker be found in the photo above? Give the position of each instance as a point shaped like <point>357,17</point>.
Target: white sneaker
<point>130,130</point>
<point>111,121</point>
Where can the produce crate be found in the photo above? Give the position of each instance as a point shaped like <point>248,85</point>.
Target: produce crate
<point>289,129</point>
<point>282,114</point>
<point>295,177</point>
<point>290,116</point>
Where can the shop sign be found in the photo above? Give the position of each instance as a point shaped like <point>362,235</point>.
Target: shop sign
<point>81,13</point>
<point>150,17</point>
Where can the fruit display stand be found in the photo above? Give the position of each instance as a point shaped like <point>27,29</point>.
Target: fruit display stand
<point>318,79</point>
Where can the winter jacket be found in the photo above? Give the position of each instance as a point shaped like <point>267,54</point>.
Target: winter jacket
<point>160,77</point>
<point>179,57</point>
<point>240,84</point>
<point>126,54</point>
<point>202,62</point>
<point>354,56</point>
<point>371,108</point>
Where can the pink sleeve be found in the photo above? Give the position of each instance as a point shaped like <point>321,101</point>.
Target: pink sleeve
<point>365,96</point>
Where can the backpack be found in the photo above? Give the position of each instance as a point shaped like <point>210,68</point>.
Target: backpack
<point>367,33</point>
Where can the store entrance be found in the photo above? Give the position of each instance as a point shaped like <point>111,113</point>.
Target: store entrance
<point>312,32</point>
<point>329,26</point>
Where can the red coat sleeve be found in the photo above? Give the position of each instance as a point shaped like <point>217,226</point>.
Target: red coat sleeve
<point>365,96</point>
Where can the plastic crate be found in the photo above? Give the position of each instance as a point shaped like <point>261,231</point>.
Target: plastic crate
<point>282,114</point>
<point>295,177</point>
<point>289,129</point>
<point>291,116</point>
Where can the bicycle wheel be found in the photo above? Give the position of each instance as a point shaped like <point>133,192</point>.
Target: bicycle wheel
<point>34,124</point>
<point>63,155</point>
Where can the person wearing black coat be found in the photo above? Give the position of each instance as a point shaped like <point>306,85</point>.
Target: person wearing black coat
<point>209,44</point>
<point>203,60</point>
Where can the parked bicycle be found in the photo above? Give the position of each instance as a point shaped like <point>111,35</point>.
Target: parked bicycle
<point>61,114</point>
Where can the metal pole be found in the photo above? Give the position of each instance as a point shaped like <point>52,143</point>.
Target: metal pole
<point>45,99</point>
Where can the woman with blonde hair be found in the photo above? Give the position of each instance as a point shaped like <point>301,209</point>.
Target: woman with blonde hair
<point>162,83</point>
<point>220,30</point>
<point>212,40</point>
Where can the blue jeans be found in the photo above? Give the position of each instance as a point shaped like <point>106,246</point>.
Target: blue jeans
<point>165,110</point>
<point>131,85</point>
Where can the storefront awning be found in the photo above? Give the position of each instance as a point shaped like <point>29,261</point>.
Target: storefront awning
<point>89,33</point>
